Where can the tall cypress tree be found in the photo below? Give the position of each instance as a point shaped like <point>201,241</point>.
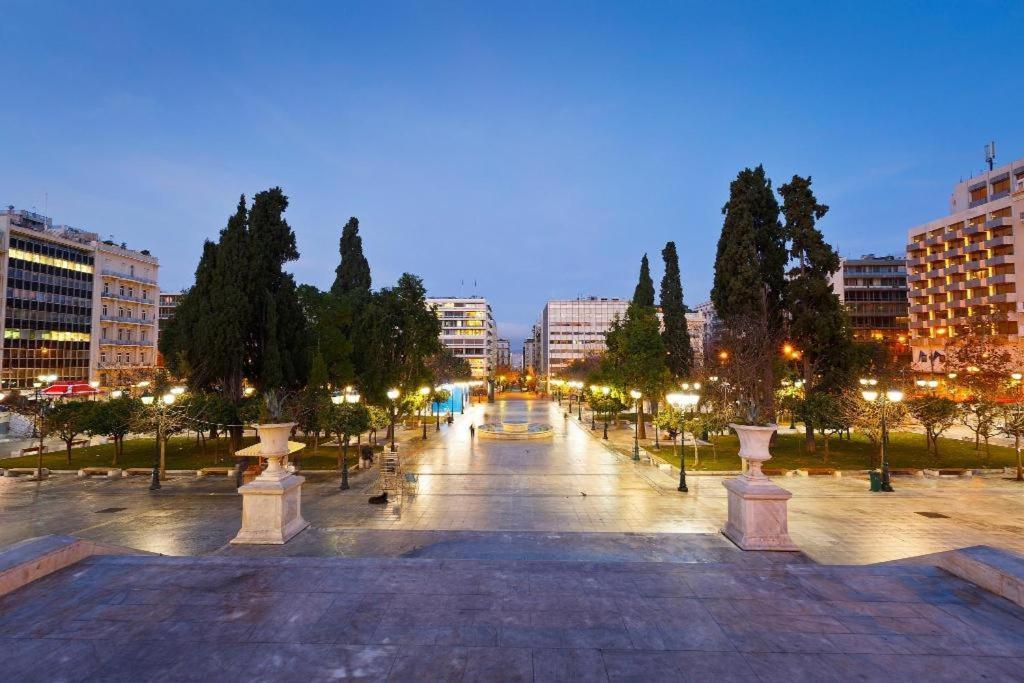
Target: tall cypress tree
<point>352,276</point>
<point>635,347</point>
<point>643,295</point>
<point>748,286</point>
<point>675,335</point>
<point>817,322</point>
<point>241,320</point>
<point>271,245</point>
<point>751,259</point>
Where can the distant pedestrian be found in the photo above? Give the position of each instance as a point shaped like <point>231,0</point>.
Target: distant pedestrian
<point>472,431</point>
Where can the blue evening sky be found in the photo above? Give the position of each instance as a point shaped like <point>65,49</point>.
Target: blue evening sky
<point>538,149</point>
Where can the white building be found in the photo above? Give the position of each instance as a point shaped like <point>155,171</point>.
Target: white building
<point>504,353</point>
<point>126,314</point>
<point>75,307</point>
<point>468,330</point>
<point>572,329</point>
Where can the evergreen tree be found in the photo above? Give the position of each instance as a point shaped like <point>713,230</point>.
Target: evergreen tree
<point>676,336</point>
<point>241,320</point>
<point>636,352</point>
<point>817,322</point>
<point>352,275</point>
<point>749,282</point>
<point>751,258</point>
<point>643,295</point>
<point>401,334</point>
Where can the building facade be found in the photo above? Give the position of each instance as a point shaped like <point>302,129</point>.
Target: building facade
<point>468,330</point>
<point>874,291</point>
<point>504,354</point>
<point>127,316</point>
<point>168,302</point>
<point>530,361</point>
<point>74,306</point>
<point>572,329</point>
<point>965,264</point>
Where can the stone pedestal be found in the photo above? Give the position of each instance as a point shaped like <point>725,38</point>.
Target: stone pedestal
<point>757,514</point>
<point>272,502</point>
<point>758,519</point>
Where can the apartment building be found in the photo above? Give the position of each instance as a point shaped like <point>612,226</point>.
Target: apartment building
<point>126,315</point>
<point>965,264</point>
<point>874,291</point>
<point>62,289</point>
<point>168,302</point>
<point>572,329</point>
<point>530,362</point>
<point>504,353</point>
<point>469,331</point>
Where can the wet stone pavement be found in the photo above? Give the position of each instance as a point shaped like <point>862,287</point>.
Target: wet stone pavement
<point>500,568</point>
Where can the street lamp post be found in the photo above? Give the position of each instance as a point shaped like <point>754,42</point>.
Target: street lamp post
<point>424,392</point>
<point>593,392</point>
<point>604,392</point>
<point>166,400</point>
<point>685,402</point>
<point>392,395</point>
<point>350,396</point>
<point>883,399</point>
<point>437,414</point>
<point>636,395</point>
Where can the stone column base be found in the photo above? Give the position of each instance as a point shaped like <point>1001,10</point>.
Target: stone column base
<point>757,514</point>
<point>271,510</point>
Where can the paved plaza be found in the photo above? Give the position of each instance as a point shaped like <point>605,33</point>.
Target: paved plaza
<point>533,492</point>
<point>527,560</point>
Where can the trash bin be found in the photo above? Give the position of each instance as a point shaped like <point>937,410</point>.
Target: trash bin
<point>876,480</point>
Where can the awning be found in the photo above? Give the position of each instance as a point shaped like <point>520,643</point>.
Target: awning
<point>69,389</point>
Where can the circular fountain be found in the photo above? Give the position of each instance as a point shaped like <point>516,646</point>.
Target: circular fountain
<point>515,430</point>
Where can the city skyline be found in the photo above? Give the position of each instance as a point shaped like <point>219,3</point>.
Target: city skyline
<point>574,141</point>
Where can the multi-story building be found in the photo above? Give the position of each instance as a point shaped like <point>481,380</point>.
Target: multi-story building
<point>696,327</point>
<point>504,354</point>
<point>47,277</point>
<point>127,316</point>
<point>874,291</point>
<point>63,303</point>
<point>468,330</point>
<point>965,264</point>
<point>530,362</point>
<point>572,329</point>
<point>168,302</point>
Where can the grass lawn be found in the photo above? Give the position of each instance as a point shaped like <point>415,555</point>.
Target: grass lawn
<point>182,454</point>
<point>906,449</point>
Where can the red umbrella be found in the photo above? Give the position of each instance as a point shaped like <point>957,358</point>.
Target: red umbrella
<point>69,389</point>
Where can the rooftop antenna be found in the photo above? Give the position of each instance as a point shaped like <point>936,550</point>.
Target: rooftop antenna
<point>990,154</point>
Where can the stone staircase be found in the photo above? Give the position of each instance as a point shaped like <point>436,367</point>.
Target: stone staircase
<point>742,616</point>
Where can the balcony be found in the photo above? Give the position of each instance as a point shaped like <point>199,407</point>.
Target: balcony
<point>126,319</point>
<point>917,277</point>
<point>126,342</point>
<point>127,276</point>
<point>915,261</point>
<point>125,297</point>
<point>933,241</point>
<point>1001,222</point>
<point>1005,240</point>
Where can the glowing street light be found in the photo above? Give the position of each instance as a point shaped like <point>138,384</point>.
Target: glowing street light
<point>685,401</point>
<point>392,395</point>
<point>636,396</point>
<point>883,399</point>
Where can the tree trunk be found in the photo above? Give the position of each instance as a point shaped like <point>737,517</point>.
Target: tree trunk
<point>824,434</point>
<point>163,457</point>
<point>809,444</point>
<point>1020,463</point>
<point>68,451</point>
<point>116,453</point>
<point>641,432</point>
<point>234,439</point>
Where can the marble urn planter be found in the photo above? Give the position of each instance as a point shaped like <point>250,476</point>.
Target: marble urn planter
<point>758,519</point>
<point>272,502</point>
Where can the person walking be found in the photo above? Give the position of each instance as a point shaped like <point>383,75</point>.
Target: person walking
<point>472,431</point>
